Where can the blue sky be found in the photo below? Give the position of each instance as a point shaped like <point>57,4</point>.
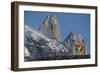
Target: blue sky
<point>75,22</point>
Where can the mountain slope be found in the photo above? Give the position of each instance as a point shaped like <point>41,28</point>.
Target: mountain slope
<point>41,47</point>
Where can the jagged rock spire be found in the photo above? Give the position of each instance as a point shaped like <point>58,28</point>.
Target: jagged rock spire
<point>50,27</point>
<point>75,43</point>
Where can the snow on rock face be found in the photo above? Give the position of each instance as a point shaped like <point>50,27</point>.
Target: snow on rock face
<point>39,45</point>
<point>27,54</point>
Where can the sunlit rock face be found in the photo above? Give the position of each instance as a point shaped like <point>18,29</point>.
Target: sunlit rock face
<point>75,44</point>
<point>50,27</point>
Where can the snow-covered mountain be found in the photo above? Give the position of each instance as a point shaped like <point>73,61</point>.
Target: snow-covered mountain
<point>37,45</point>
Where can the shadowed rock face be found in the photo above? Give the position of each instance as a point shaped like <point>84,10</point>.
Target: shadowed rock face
<point>50,27</point>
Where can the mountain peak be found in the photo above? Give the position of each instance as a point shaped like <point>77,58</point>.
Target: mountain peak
<point>50,19</point>
<point>76,44</point>
<point>50,27</point>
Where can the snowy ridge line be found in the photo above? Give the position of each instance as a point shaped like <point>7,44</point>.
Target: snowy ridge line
<point>36,32</point>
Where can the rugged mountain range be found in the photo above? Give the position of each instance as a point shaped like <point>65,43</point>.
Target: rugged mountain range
<point>45,42</point>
